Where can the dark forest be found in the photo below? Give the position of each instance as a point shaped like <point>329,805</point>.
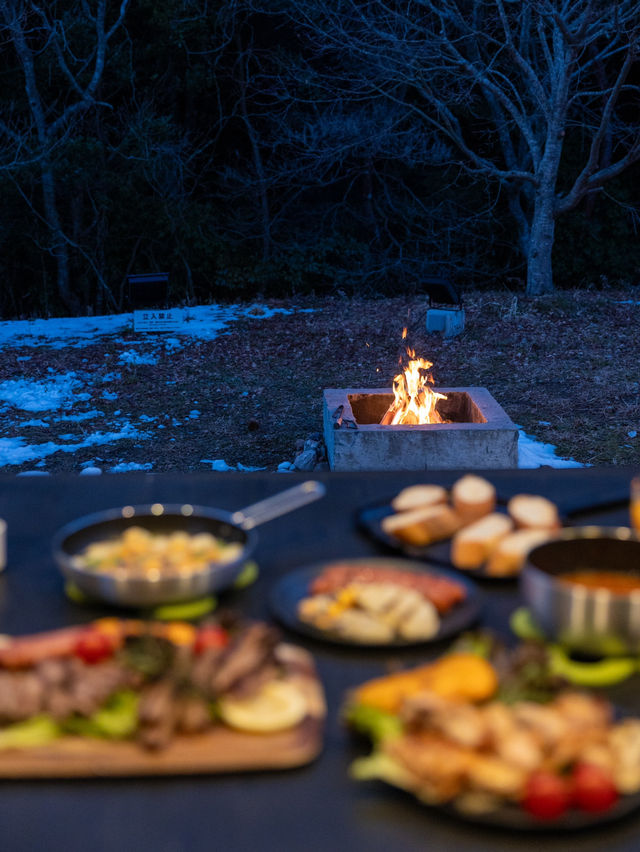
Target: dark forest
<point>268,149</point>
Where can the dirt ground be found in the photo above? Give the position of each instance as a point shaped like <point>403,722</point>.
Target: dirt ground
<point>565,367</point>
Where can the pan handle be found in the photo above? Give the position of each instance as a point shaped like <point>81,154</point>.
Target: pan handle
<point>286,501</point>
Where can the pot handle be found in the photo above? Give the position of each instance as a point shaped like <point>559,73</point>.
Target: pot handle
<point>286,501</point>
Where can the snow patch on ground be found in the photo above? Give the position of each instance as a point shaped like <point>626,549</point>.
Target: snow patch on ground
<point>220,465</point>
<point>19,451</point>
<point>205,322</point>
<point>133,357</point>
<point>48,395</point>
<point>125,467</point>
<point>533,453</point>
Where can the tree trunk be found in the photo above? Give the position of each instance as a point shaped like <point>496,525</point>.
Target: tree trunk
<point>60,249</point>
<point>539,268</point>
<point>258,163</point>
<point>541,235</point>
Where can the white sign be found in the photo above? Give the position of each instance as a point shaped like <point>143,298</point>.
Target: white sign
<point>154,319</point>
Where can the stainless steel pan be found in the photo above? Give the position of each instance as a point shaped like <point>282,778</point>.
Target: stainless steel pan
<point>118,588</point>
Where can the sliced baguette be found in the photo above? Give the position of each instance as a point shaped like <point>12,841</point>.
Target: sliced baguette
<point>424,526</point>
<point>473,497</point>
<point>509,554</point>
<point>530,511</point>
<point>416,496</point>
<point>473,544</point>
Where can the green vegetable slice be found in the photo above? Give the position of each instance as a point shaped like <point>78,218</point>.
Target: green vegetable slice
<point>247,576</point>
<point>524,625</point>
<point>37,731</point>
<point>380,767</point>
<point>376,724</point>
<point>600,673</point>
<point>189,611</point>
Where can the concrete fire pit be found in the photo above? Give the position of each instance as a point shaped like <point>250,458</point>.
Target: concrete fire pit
<point>479,435</point>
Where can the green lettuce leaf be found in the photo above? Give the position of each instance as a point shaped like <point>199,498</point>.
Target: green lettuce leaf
<point>117,720</point>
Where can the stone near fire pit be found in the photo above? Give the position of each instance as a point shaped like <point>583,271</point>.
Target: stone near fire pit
<point>480,434</point>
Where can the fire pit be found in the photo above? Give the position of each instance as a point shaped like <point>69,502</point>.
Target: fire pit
<point>471,430</point>
<point>416,427</point>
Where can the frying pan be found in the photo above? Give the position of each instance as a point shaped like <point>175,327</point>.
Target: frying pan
<point>120,588</point>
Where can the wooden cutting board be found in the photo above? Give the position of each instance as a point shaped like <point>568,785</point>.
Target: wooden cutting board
<point>219,750</point>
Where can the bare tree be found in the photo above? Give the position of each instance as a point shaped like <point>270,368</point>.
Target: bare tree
<point>507,83</point>
<point>42,39</point>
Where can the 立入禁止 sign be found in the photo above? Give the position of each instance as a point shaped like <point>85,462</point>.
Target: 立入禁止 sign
<point>157,320</point>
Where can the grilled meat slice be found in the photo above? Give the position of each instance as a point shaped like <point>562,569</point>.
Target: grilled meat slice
<point>193,714</point>
<point>157,714</point>
<point>252,649</point>
<point>21,695</point>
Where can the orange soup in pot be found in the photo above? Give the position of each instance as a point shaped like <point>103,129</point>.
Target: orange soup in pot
<point>618,582</point>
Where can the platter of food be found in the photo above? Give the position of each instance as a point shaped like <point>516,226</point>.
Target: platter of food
<point>466,527</point>
<point>375,602</point>
<point>463,737</point>
<point>131,698</point>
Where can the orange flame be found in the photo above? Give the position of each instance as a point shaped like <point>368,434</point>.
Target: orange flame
<point>414,401</point>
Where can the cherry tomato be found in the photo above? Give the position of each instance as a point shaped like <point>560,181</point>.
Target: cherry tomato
<point>593,788</point>
<point>94,646</point>
<point>547,795</point>
<point>211,636</point>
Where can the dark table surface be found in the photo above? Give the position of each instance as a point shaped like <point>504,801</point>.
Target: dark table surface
<point>316,807</point>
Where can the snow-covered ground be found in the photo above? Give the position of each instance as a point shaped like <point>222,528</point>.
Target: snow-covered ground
<point>50,403</point>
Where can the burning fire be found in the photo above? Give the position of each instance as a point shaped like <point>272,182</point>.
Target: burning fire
<point>414,402</point>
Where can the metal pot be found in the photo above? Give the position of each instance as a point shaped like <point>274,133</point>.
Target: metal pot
<point>588,620</point>
<point>123,590</point>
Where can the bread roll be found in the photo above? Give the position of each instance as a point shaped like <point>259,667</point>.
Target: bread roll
<point>511,551</point>
<point>421,527</point>
<point>419,495</point>
<point>472,545</point>
<point>473,497</point>
<point>533,512</point>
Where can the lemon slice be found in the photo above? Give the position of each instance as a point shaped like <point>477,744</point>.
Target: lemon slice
<point>278,705</point>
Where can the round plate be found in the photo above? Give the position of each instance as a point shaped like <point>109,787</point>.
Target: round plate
<point>510,816</point>
<point>287,593</point>
<point>513,817</point>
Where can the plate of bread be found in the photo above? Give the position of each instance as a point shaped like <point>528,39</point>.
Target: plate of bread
<point>465,527</point>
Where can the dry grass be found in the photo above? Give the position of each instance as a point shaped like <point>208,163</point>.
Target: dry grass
<point>565,368</point>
